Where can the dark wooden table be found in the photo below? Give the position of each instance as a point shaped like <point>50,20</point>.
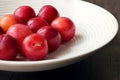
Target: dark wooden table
<point>104,64</point>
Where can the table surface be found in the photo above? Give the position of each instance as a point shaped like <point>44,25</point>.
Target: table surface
<point>104,64</point>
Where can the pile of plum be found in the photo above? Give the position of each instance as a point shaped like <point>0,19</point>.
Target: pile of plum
<point>33,35</point>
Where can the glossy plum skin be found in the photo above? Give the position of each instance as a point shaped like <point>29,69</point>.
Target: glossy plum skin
<point>53,37</point>
<point>19,32</point>
<point>65,27</point>
<point>27,36</point>
<point>36,23</point>
<point>24,13</point>
<point>35,47</point>
<point>49,13</point>
<point>8,20</point>
<point>8,47</point>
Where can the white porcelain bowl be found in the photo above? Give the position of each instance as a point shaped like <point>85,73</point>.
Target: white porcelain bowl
<point>95,27</point>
